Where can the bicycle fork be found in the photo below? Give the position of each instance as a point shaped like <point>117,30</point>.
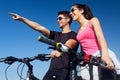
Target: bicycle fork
<point>30,75</point>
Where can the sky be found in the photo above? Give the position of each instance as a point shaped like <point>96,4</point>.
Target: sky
<point>18,40</point>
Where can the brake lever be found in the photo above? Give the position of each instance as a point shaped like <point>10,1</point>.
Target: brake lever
<point>50,47</point>
<point>9,60</point>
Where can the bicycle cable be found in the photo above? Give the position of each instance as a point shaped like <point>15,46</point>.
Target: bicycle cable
<point>6,72</point>
<point>20,74</point>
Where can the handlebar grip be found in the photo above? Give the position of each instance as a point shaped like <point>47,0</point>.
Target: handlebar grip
<point>47,41</point>
<point>57,45</point>
<point>97,61</point>
<point>103,64</point>
<point>2,59</point>
<point>8,60</point>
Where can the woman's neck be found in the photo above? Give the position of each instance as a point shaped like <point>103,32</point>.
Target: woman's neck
<point>82,21</point>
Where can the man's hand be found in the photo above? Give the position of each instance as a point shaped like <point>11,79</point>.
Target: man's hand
<point>15,16</point>
<point>55,54</point>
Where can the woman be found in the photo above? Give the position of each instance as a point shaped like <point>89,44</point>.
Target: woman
<point>91,38</point>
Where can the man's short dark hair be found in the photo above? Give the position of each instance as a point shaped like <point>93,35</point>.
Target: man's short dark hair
<point>66,14</point>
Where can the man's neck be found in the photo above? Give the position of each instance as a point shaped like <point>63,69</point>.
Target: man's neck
<point>66,29</point>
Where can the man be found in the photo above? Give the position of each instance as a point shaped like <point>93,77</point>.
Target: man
<point>59,65</point>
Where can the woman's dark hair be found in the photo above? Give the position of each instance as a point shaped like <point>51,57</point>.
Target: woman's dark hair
<point>66,14</point>
<point>87,12</point>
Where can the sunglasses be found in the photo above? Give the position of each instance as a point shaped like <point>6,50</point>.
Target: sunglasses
<point>60,18</point>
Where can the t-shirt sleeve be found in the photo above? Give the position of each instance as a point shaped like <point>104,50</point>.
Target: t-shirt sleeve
<point>52,35</point>
<point>73,35</point>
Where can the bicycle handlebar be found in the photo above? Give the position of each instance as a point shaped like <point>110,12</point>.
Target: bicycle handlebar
<point>11,59</point>
<point>63,48</point>
<point>47,41</point>
<point>57,45</point>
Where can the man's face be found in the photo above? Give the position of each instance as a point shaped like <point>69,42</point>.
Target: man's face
<point>62,21</point>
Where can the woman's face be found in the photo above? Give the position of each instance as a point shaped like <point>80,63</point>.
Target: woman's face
<point>75,13</point>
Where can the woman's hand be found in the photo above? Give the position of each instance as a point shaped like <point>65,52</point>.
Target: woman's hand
<point>108,61</point>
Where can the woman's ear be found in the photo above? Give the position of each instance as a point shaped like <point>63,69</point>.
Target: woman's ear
<point>81,11</point>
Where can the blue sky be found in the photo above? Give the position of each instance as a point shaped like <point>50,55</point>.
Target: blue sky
<point>17,39</point>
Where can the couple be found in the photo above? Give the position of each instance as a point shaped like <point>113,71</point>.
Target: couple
<point>89,36</point>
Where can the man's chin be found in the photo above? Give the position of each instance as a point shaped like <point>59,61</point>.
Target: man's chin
<point>60,26</point>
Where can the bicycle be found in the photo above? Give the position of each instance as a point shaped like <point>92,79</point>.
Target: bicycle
<point>80,58</point>
<point>30,76</point>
